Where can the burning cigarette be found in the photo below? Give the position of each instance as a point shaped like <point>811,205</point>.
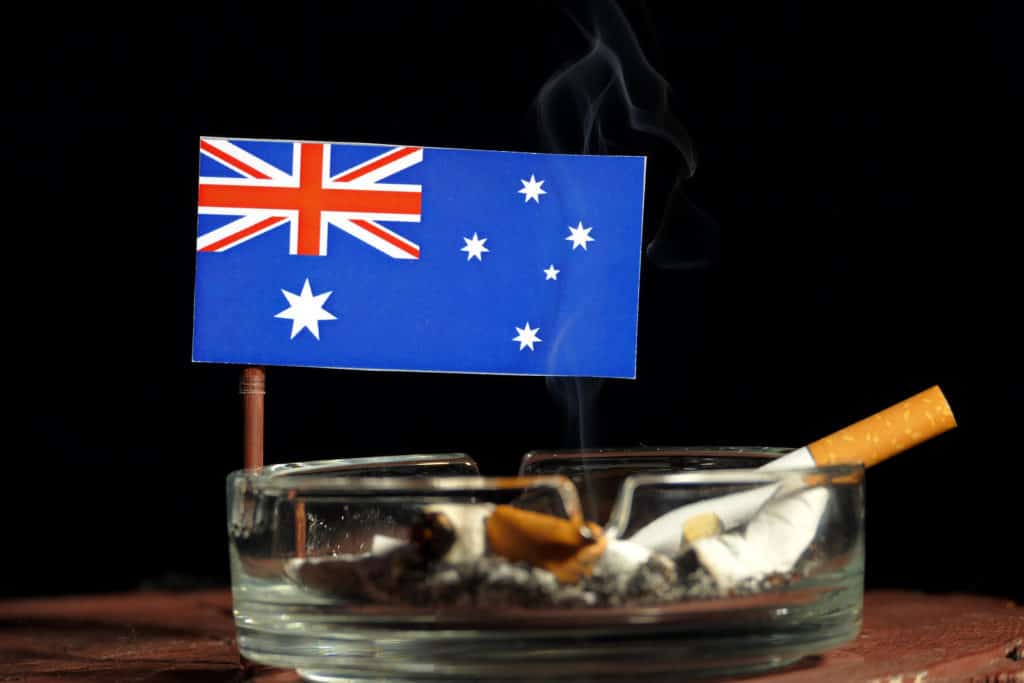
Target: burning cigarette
<point>868,442</point>
<point>779,534</point>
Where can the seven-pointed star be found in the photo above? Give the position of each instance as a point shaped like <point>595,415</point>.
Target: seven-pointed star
<point>474,247</point>
<point>527,337</point>
<point>551,272</point>
<point>579,236</point>
<point>532,189</point>
<point>305,310</point>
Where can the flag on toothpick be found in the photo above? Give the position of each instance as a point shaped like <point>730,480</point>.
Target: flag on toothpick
<point>417,258</point>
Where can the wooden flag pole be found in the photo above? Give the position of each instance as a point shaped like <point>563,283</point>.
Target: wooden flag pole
<point>253,387</point>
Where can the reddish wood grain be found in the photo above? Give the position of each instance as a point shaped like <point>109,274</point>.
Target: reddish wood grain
<point>929,638</point>
<point>167,638</point>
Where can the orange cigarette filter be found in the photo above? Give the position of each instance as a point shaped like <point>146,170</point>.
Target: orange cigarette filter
<point>886,433</point>
<point>553,543</point>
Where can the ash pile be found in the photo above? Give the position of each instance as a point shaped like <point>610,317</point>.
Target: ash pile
<point>451,561</point>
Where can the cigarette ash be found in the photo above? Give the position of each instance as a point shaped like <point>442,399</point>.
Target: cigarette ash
<point>494,582</point>
<point>491,581</point>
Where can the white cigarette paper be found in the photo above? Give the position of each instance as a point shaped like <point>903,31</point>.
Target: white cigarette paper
<point>665,533</point>
<point>621,558</point>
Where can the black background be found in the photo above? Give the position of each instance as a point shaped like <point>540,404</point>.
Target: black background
<point>849,241</point>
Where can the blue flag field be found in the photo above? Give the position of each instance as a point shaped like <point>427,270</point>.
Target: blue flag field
<point>382,257</point>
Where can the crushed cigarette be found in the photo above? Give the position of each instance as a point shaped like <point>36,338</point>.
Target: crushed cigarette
<point>568,548</point>
<point>772,542</point>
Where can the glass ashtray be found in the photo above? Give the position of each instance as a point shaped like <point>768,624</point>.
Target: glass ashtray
<point>599,565</point>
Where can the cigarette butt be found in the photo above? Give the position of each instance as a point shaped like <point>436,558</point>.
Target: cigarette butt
<point>884,434</point>
<point>553,543</point>
<point>701,526</point>
<point>773,541</point>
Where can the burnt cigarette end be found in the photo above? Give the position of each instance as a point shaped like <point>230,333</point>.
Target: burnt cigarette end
<point>434,534</point>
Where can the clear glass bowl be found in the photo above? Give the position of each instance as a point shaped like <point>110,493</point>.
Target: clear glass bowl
<point>385,568</point>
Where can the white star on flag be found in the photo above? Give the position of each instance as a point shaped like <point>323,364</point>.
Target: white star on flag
<point>532,189</point>
<point>474,247</point>
<point>579,236</point>
<point>551,272</point>
<point>527,336</point>
<point>305,310</point>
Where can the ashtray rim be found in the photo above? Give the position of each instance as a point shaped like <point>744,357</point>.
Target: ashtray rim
<point>536,456</point>
<point>327,474</point>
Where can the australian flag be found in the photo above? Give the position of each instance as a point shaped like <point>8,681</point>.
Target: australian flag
<point>417,258</point>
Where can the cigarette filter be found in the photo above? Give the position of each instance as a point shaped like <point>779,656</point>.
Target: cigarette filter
<point>568,548</point>
<point>701,526</point>
<point>884,434</point>
<point>878,437</point>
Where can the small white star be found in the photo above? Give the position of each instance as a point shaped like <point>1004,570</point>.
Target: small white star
<point>474,247</point>
<point>305,310</point>
<point>532,189</point>
<point>527,337</point>
<point>551,272</point>
<point>579,236</point>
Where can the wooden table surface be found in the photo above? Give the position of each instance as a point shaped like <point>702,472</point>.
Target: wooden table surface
<point>171,637</point>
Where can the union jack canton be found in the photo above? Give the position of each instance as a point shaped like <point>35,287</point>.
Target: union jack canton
<point>310,198</point>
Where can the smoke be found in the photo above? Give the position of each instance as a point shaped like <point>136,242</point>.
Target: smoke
<point>613,83</point>
<point>598,104</point>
